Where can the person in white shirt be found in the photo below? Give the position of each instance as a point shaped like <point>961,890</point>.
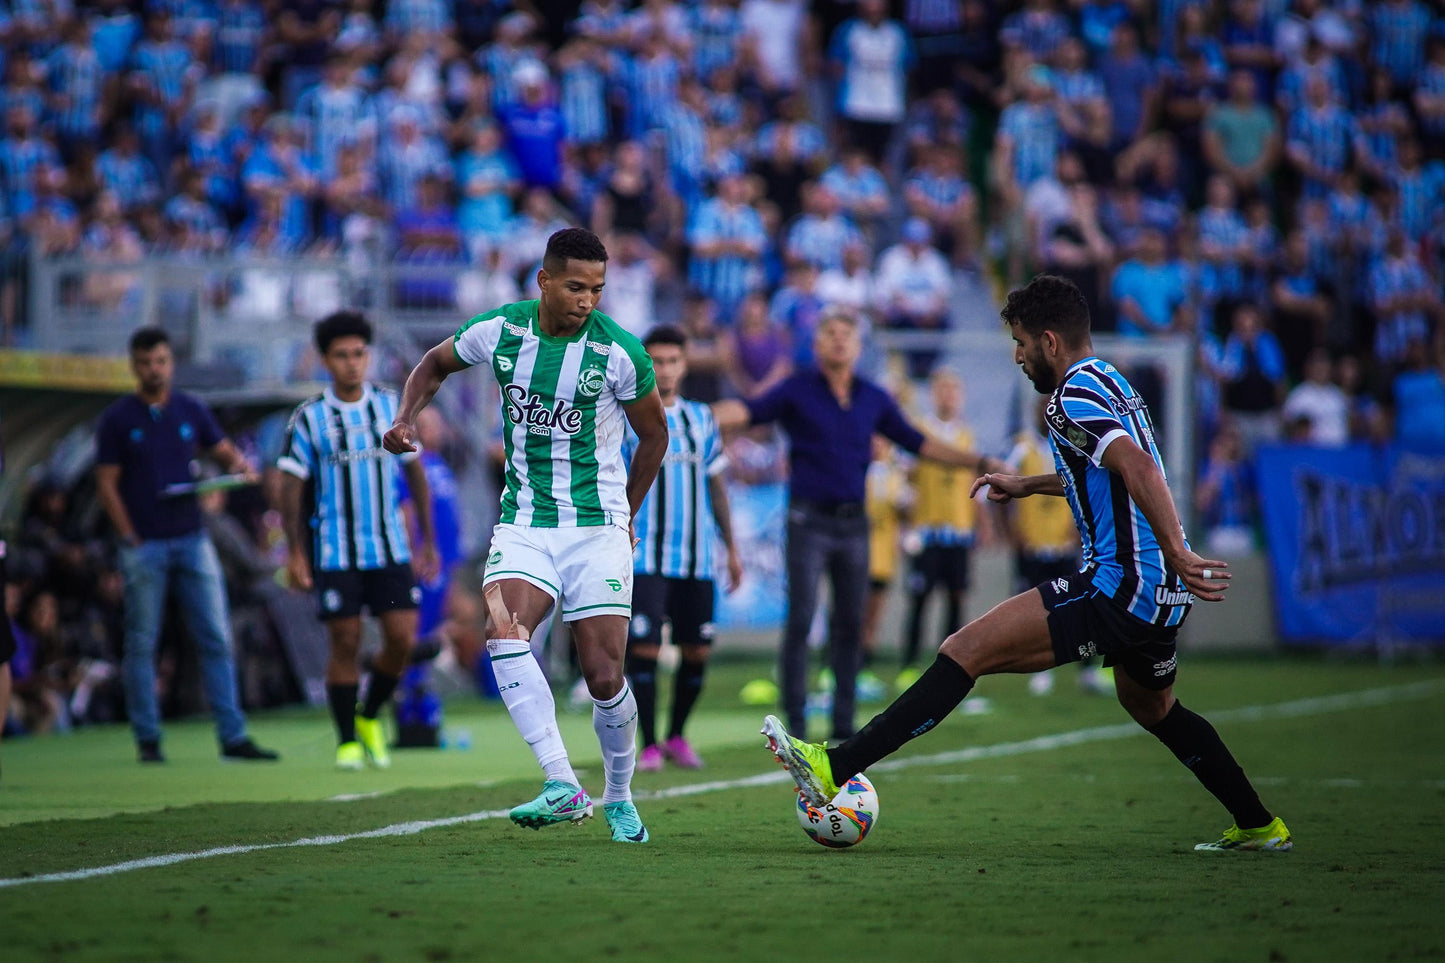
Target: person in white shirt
<point>915,288</point>
<point>1319,403</point>
<point>850,286</point>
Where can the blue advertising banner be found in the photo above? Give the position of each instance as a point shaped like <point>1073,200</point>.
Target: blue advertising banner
<point>760,523</point>
<point>1356,541</point>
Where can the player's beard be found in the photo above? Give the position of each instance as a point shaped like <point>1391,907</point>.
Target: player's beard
<point>1040,375</point>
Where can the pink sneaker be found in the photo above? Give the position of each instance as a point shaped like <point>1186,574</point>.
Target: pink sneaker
<point>681,753</point>
<point>650,760</point>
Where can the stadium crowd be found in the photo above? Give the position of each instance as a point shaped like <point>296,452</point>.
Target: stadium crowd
<point>1265,177</point>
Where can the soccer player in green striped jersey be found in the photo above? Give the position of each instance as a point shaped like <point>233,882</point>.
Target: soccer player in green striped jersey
<point>571,378</point>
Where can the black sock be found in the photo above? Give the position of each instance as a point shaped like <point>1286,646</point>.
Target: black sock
<point>342,699</point>
<point>379,687</point>
<point>685,690</point>
<point>1195,743</point>
<point>642,673</point>
<point>924,705</point>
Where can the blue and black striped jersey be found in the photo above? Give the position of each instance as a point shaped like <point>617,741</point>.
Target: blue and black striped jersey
<point>675,524</point>
<point>357,521</point>
<point>1094,407</point>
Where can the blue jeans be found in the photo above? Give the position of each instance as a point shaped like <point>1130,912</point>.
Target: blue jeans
<point>188,564</point>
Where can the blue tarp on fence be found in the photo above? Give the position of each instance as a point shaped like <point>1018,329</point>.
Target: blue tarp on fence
<point>1356,542</point>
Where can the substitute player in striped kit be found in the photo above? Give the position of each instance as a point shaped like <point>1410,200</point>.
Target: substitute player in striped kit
<point>571,379</point>
<point>1138,581</point>
<point>359,555</point>
<point>674,566</point>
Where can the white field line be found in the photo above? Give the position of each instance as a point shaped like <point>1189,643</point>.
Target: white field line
<point>1364,698</point>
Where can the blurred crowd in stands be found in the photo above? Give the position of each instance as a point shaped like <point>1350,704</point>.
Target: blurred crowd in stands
<point>1263,177</point>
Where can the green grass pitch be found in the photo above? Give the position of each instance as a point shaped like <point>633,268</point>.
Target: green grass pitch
<point>1043,829</point>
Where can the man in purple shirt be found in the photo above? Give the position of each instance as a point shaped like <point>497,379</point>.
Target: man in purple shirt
<point>831,414</point>
<point>146,443</point>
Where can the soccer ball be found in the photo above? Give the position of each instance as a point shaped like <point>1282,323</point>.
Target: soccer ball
<point>846,820</point>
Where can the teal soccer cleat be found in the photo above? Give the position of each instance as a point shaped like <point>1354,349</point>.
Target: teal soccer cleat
<point>559,802</point>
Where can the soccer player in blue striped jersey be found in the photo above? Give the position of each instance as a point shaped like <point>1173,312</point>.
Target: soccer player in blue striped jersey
<point>685,513</point>
<point>1138,580</point>
<point>359,555</point>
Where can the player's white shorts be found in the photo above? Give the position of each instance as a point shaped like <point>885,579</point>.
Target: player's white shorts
<point>588,570</point>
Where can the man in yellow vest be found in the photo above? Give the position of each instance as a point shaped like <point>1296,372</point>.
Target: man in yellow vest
<point>887,506</point>
<point>944,518</point>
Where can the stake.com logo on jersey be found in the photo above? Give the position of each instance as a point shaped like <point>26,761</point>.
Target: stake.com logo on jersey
<point>530,409</point>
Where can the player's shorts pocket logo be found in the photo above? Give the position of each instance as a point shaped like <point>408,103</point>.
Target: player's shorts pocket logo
<point>495,557</point>
<point>613,584</point>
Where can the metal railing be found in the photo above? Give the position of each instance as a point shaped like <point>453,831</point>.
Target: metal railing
<point>245,324</point>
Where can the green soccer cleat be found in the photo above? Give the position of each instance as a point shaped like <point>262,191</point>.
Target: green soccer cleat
<point>625,822</point>
<point>350,756</point>
<point>372,736</point>
<point>559,802</point>
<point>806,762</point>
<point>1274,838</point>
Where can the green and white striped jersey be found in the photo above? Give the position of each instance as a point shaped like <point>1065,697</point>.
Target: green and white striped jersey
<point>562,418</point>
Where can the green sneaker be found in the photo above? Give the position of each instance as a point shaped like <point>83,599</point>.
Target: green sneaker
<point>1274,838</point>
<point>350,756</point>
<point>372,736</point>
<point>806,762</point>
<point>559,802</point>
<point>625,823</point>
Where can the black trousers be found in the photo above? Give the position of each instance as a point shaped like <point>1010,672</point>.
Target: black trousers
<point>823,541</point>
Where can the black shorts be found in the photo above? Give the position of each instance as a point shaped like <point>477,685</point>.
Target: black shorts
<point>7,635</point>
<point>945,565</point>
<point>1085,622</point>
<point>343,594</point>
<point>685,602</point>
<point>1032,569</point>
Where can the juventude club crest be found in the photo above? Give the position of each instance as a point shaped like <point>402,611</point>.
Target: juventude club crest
<point>591,382</point>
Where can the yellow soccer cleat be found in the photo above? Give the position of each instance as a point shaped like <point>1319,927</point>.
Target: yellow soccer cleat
<point>350,756</point>
<point>1274,838</point>
<point>806,762</point>
<point>372,736</point>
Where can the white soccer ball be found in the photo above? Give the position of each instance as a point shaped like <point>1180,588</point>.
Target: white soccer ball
<point>846,820</point>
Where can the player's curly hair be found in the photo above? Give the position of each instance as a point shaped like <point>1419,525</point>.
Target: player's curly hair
<point>1051,303</point>
<point>572,244</point>
<point>340,324</point>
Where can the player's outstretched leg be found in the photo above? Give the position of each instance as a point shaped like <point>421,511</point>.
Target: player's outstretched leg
<point>529,701</point>
<point>921,707</point>
<point>1196,744</point>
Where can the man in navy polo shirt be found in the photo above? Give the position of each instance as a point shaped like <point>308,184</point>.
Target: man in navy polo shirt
<point>144,443</point>
<point>831,415</point>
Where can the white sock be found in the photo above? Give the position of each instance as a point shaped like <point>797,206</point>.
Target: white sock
<point>529,701</point>
<point>615,723</point>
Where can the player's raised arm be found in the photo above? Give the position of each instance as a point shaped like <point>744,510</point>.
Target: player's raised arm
<point>421,386</point>
<point>944,453</point>
<point>1150,492</point>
